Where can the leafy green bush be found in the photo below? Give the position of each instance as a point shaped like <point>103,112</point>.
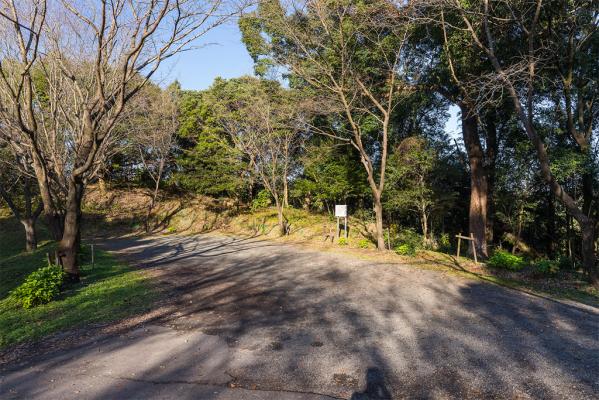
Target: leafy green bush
<point>364,244</point>
<point>407,242</point>
<point>343,241</point>
<point>405,249</point>
<point>444,243</point>
<point>171,229</point>
<point>546,267</point>
<point>262,200</point>
<point>503,259</point>
<point>40,287</point>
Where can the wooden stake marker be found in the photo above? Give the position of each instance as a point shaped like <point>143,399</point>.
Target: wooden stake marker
<point>472,242</point>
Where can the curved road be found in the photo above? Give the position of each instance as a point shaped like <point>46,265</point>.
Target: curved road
<point>253,319</point>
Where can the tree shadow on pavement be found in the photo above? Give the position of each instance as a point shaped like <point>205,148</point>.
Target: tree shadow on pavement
<point>248,313</point>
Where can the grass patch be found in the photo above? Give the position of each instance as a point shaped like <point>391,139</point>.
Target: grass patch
<point>108,291</point>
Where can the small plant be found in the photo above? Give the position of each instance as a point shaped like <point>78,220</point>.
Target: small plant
<point>343,241</point>
<point>171,230</point>
<point>40,287</point>
<point>444,243</point>
<point>408,242</point>
<point>262,200</point>
<point>546,267</point>
<point>504,260</point>
<point>405,249</point>
<point>364,244</point>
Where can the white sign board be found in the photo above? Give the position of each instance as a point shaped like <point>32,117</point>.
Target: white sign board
<point>340,210</point>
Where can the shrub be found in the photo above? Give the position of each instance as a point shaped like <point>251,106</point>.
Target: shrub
<point>171,229</point>
<point>445,243</point>
<point>546,267</point>
<point>364,244</point>
<point>503,259</point>
<point>40,287</point>
<point>407,242</point>
<point>343,241</point>
<point>262,200</point>
<point>405,249</point>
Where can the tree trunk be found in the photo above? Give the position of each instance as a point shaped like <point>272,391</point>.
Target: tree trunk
<point>28,217</point>
<point>53,217</point>
<point>518,231</point>
<point>149,213</point>
<point>424,223</point>
<point>588,252</point>
<point>69,244</point>
<point>589,259</point>
<point>587,193</point>
<point>285,193</point>
<point>154,194</point>
<point>477,219</point>
<point>550,236</point>
<point>30,235</point>
<point>378,213</point>
<point>491,157</point>
<point>281,217</point>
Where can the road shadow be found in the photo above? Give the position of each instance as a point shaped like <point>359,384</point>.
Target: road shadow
<point>301,321</point>
<point>375,387</point>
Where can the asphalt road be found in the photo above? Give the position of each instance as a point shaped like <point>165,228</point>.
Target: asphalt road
<point>253,319</point>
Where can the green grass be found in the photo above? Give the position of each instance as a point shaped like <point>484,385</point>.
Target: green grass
<point>108,291</point>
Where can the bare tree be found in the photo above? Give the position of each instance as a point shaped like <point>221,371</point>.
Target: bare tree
<point>354,61</point>
<point>17,189</point>
<point>91,57</point>
<point>264,122</point>
<point>21,26</point>
<point>154,123</point>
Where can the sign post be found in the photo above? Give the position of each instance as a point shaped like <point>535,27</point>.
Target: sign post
<point>341,212</point>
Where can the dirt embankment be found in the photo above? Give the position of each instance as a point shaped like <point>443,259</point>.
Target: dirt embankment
<point>123,211</point>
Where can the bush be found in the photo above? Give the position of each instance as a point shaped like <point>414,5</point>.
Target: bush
<point>445,243</point>
<point>364,244</point>
<point>262,200</point>
<point>343,241</point>
<point>546,267</point>
<point>503,259</point>
<point>408,242</point>
<point>40,287</point>
<point>405,249</point>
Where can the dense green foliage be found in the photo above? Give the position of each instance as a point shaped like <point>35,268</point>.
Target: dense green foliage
<point>407,242</point>
<point>208,162</point>
<point>40,287</point>
<point>505,260</point>
<point>262,200</point>
<point>546,267</point>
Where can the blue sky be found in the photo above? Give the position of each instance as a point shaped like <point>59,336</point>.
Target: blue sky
<point>223,54</point>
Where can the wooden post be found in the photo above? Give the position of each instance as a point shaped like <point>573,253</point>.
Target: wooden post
<point>346,226</point>
<point>93,258</point>
<point>459,243</point>
<point>388,238</point>
<point>337,231</point>
<point>473,247</point>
